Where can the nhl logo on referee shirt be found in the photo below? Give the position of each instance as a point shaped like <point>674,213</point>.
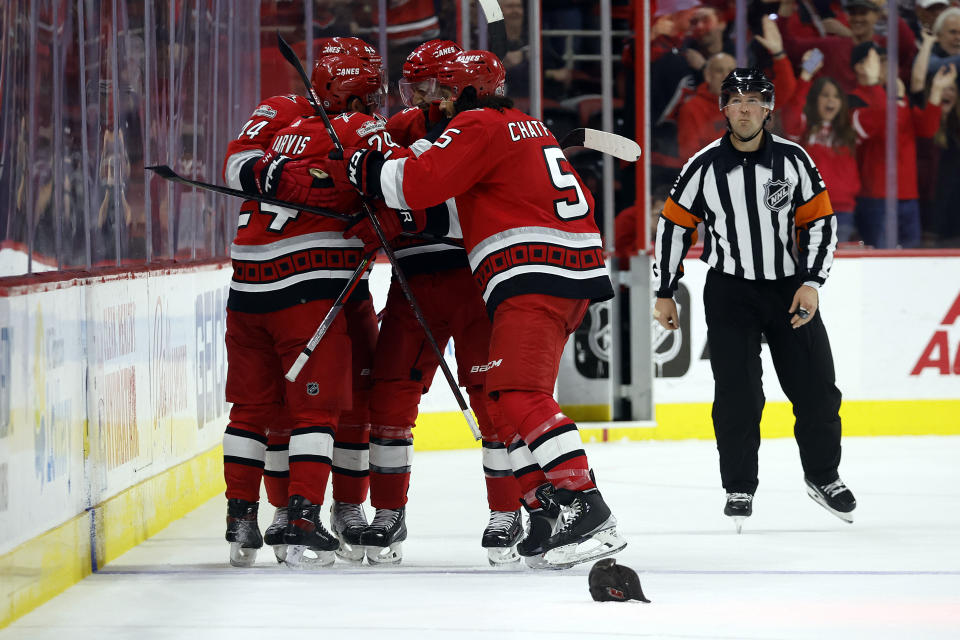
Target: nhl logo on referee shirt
<point>776,194</point>
<point>313,388</point>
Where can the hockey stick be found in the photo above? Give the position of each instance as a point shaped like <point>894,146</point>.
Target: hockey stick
<point>496,30</point>
<point>355,279</point>
<point>291,57</point>
<point>616,145</point>
<point>167,173</point>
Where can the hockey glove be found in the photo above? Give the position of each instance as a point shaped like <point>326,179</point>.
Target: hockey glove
<point>392,221</point>
<point>300,181</point>
<point>364,171</point>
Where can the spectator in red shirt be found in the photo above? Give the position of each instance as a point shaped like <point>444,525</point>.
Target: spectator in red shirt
<point>699,119</point>
<point>869,103</point>
<point>818,117</point>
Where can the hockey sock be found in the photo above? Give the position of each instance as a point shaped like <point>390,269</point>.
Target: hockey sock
<point>276,472</point>
<point>527,472</point>
<point>243,458</point>
<point>311,449</point>
<point>391,454</point>
<point>503,491</point>
<point>552,437</point>
<point>351,463</point>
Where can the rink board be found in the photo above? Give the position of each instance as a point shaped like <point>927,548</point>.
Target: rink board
<point>111,398</point>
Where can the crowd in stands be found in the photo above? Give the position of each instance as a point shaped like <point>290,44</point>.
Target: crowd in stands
<point>828,61</point>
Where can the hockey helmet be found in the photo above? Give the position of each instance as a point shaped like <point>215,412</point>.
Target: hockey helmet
<point>419,82</point>
<point>350,46</point>
<point>741,81</point>
<point>338,78</point>
<point>479,69</point>
<point>610,581</point>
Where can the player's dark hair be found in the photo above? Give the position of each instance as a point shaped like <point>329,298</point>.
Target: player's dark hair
<point>468,100</point>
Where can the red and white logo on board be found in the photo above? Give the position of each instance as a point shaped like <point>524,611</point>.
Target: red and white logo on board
<point>940,354</point>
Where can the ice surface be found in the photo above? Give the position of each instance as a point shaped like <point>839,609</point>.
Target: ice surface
<point>795,572</point>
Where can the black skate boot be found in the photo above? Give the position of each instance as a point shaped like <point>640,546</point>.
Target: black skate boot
<point>243,532</point>
<point>541,524</point>
<point>348,521</point>
<point>273,536</point>
<point>501,536</point>
<point>385,535</point>
<point>309,544</point>
<point>835,497</point>
<point>589,530</point>
<point>739,506</point>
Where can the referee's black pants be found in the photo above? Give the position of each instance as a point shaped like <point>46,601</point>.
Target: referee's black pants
<point>738,311</point>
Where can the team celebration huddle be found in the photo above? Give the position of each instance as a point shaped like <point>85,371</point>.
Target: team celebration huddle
<point>493,241</point>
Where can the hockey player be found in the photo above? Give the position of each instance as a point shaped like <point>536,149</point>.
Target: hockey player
<point>288,268</point>
<point>420,92</point>
<point>405,365</point>
<point>536,254</point>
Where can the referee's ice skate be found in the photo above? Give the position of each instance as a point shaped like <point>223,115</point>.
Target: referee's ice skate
<point>739,507</point>
<point>835,497</point>
<point>589,530</point>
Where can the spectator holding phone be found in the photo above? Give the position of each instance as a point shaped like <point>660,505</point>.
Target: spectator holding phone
<point>818,117</point>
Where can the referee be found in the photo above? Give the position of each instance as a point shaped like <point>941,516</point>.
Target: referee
<point>769,239</point>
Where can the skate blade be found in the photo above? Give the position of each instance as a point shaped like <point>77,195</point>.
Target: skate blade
<point>350,553</point>
<point>300,557</point>
<point>242,556</point>
<point>537,562</point>
<point>599,545</point>
<point>816,497</point>
<point>502,556</point>
<point>385,555</point>
<point>738,522</point>
<point>280,553</point>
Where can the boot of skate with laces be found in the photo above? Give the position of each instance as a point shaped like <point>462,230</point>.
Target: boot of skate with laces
<point>739,507</point>
<point>348,521</point>
<point>243,532</point>
<point>589,530</point>
<point>542,522</point>
<point>834,496</point>
<point>273,536</point>
<point>309,544</point>
<point>384,537</point>
<point>501,536</point>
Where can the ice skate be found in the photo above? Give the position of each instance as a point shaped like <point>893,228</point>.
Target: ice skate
<point>309,544</point>
<point>243,532</point>
<point>348,521</point>
<point>835,497</point>
<point>384,537</point>
<point>273,536</point>
<point>541,524</point>
<point>739,507</point>
<point>588,532</point>
<point>501,536</point>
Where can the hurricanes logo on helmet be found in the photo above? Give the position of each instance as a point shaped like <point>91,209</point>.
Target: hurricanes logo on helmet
<point>445,52</point>
<point>349,71</point>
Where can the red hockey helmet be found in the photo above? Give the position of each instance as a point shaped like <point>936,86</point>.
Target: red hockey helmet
<point>419,82</point>
<point>338,78</point>
<point>357,47</point>
<point>479,69</point>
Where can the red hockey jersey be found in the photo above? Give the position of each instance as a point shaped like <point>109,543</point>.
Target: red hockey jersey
<point>407,126</point>
<point>526,217</point>
<point>282,256</point>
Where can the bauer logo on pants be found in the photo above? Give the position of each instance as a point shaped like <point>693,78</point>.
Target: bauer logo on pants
<point>313,388</point>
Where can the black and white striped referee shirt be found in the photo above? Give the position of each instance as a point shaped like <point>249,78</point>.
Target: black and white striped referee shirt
<point>766,215</point>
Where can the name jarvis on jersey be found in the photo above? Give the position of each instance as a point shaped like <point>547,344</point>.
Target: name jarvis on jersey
<point>290,144</point>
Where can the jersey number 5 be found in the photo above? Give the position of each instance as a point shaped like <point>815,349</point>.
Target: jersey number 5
<point>572,205</point>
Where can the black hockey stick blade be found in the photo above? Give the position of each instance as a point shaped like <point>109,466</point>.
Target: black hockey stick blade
<point>496,30</point>
<point>610,143</point>
<point>167,173</point>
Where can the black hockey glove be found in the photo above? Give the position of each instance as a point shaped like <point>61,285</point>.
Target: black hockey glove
<point>363,172</point>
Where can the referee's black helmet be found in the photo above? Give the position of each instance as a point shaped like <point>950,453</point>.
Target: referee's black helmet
<point>747,80</point>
